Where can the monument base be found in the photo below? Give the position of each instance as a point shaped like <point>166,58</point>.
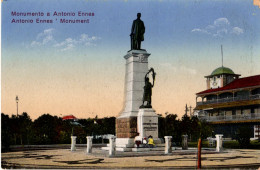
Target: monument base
<point>125,142</point>
<point>144,125</point>
<point>127,128</point>
<point>126,131</point>
<point>147,123</point>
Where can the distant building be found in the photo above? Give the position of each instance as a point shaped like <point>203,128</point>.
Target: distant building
<point>229,102</point>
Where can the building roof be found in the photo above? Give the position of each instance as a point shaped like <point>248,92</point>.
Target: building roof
<point>236,84</point>
<point>222,70</point>
<point>69,117</point>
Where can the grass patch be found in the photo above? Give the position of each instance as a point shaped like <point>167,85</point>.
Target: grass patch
<point>255,144</point>
<point>204,144</point>
<point>231,144</point>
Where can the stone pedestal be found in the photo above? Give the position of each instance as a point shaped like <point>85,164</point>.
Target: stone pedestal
<point>184,142</point>
<point>135,70</point>
<point>89,144</point>
<point>168,144</point>
<point>112,146</point>
<point>147,123</point>
<point>73,143</point>
<point>219,140</point>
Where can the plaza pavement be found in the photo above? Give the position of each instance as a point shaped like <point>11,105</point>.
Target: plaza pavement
<point>63,158</point>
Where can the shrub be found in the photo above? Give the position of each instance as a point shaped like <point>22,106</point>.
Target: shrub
<point>243,136</point>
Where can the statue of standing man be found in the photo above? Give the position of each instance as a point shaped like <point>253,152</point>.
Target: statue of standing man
<point>137,33</point>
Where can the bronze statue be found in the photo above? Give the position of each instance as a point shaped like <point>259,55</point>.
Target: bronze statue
<point>137,33</point>
<point>147,96</point>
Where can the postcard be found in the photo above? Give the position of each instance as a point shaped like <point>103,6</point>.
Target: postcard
<point>108,62</point>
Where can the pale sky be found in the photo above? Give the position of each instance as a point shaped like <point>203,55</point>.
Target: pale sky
<point>78,69</point>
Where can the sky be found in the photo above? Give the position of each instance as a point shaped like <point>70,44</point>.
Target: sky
<point>78,68</point>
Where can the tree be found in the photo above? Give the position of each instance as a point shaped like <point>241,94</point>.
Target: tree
<point>172,127</point>
<point>88,125</point>
<point>108,125</point>
<point>5,132</point>
<point>161,126</point>
<point>15,129</point>
<point>243,136</point>
<point>195,129</point>
<point>20,128</point>
<point>206,129</point>
<point>25,128</point>
<point>186,125</point>
<point>47,129</point>
<point>64,129</point>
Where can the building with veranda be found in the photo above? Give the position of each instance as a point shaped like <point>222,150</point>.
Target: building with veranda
<point>230,102</point>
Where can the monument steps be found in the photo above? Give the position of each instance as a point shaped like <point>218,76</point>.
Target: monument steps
<point>122,149</point>
<point>158,144</point>
<point>157,148</point>
<point>123,145</point>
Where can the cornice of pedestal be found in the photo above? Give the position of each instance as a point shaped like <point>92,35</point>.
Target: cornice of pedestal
<point>137,53</point>
<point>147,112</point>
<point>147,109</point>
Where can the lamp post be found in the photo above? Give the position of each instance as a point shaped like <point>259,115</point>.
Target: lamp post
<point>17,100</point>
<point>190,110</point>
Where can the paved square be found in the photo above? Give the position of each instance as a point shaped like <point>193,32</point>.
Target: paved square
<point>64,158</point>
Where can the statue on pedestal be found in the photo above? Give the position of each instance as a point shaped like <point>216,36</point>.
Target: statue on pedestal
<point>137,33</point>
<point>147,96</point>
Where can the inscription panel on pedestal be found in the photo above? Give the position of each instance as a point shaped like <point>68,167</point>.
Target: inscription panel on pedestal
<point>143,59</point>
<point>150,127</point>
